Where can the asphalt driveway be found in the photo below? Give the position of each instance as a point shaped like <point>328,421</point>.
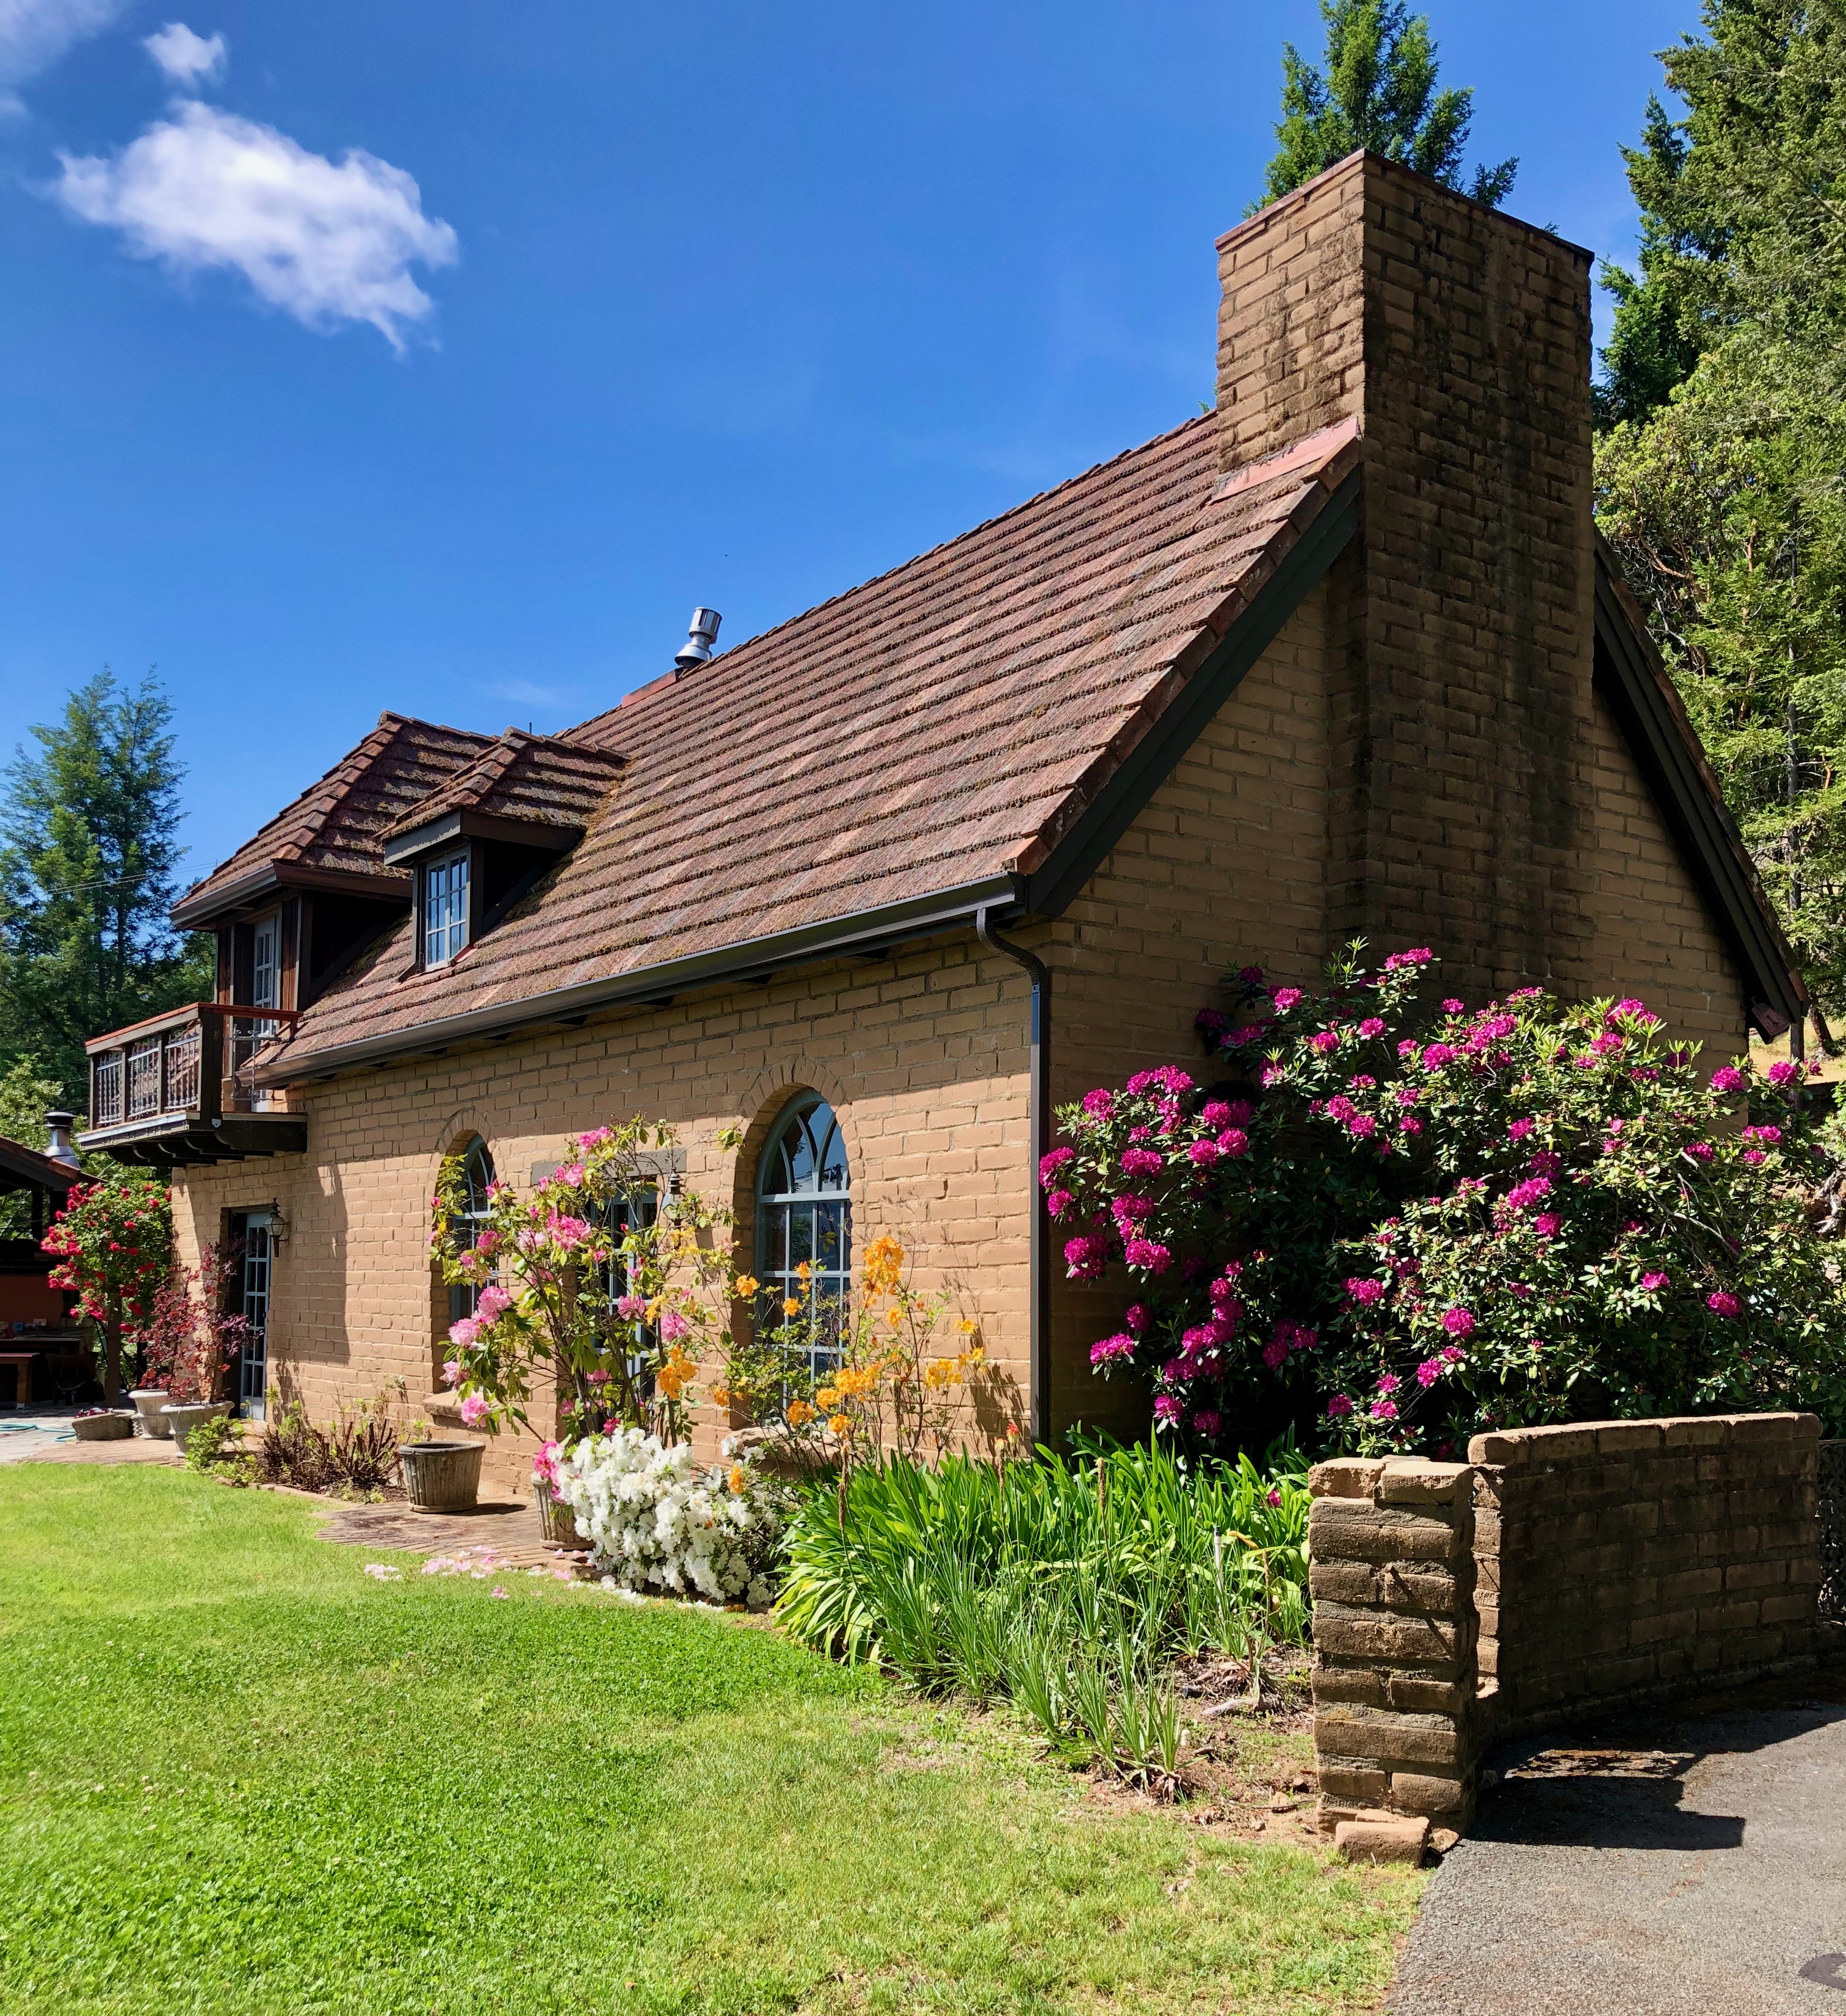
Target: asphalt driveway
<point>1691,1862</point>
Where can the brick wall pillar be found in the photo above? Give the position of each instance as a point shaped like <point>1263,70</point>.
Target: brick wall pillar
<point>1391,1545</point>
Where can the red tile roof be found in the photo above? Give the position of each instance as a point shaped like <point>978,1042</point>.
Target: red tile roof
<point>538,780</point>
<point>337,825</point>
<point>941,725</point>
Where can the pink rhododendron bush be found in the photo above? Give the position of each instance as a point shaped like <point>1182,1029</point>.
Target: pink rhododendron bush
<point>1408,1223</point>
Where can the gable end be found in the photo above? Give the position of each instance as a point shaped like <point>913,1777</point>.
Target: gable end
<point>1124,795</point>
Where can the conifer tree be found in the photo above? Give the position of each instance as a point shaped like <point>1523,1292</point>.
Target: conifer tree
<point>1379,91</point>
<point>88,845</point>
<point>1722,466</point>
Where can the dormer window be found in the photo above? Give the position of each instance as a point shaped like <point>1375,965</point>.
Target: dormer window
<point>478,843</point>
<point>444,907</point>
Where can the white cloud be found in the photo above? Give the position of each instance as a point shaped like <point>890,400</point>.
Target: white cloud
<point>187,60</point>
<point>329,242</point>
<point>34,34</point>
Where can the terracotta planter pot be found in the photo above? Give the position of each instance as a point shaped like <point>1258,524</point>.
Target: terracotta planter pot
<point>149,1401</point>
<point>441,1477</point>
<point>557,1521</point>
<point>185,1417</point>
<point>104,1427</point>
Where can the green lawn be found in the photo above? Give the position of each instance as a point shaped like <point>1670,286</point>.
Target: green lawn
<point>237,1774</point>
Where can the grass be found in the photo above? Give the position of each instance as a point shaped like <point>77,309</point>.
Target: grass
<point>238,1775</point>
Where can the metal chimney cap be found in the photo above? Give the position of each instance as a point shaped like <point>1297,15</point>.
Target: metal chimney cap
<point>702,635</point>
<point>58,1148</point>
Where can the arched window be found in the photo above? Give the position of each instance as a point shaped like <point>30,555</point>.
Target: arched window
<point>467,1224</point>
<point>804,1213</point>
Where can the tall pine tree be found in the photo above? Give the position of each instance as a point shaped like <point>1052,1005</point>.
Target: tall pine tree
<point>88,846</point>
<point>1379,91</point>
<point>1722,466</point>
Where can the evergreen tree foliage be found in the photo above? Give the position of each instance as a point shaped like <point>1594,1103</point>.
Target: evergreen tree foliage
<point>1722,466</point>
<point>1740,224</point>
<point>88,845</point>
<point>1379,91</point>
<point>26,1095</point>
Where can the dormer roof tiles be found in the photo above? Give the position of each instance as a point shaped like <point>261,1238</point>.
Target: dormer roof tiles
<point>333,835</point>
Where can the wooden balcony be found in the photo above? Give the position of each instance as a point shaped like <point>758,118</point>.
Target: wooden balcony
<point>179,1088</point>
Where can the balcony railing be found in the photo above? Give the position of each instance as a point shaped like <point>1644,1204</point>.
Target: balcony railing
<point>193,1063</point>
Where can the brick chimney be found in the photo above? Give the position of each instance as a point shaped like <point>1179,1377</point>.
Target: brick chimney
<point>1459,338</point>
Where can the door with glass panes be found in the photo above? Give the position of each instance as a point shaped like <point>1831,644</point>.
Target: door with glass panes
<point>253,1234</point>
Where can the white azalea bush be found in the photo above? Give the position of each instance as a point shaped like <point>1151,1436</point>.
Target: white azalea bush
<point>652,1516</point>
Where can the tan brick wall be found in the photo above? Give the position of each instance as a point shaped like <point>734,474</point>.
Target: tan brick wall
<point>1560,1570</point>
<point>1632,1558</point>
<point>923,1057</point>
<point>1228,863</point>
<point>1650,933</point>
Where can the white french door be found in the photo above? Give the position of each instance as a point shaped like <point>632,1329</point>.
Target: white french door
<point>255,1228</point>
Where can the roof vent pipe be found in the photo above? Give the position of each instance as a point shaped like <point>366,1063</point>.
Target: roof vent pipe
<point>59,1149</point>
<point>702,635</point>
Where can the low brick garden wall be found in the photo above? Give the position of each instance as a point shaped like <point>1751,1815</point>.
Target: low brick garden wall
<point>1559,1569</point>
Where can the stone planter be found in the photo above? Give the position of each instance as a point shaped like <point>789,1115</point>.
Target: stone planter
<point>149,1401</point>
<point>104,1427</point>
<point>441,1477</point>
<point>557,1521</point>
<point>186,1416</point>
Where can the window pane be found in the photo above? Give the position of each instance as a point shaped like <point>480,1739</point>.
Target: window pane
<point>262,978</point>
<point>467,1224</point>
<point>800,1148</point>
<point>445,910</point>
<point>805,1214</point>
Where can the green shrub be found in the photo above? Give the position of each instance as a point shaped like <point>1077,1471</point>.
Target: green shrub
<point>1416,1224</point>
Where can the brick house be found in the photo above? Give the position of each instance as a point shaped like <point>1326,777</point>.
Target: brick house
<point>1342,657</point>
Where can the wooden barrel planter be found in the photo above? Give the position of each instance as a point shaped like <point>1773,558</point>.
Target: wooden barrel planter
<point>441,1477</point>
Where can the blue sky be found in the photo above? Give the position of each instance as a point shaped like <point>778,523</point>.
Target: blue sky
<point>614,310</point>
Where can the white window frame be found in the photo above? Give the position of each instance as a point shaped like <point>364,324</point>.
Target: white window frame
<point>265,961</point>
<point>451,934</point>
